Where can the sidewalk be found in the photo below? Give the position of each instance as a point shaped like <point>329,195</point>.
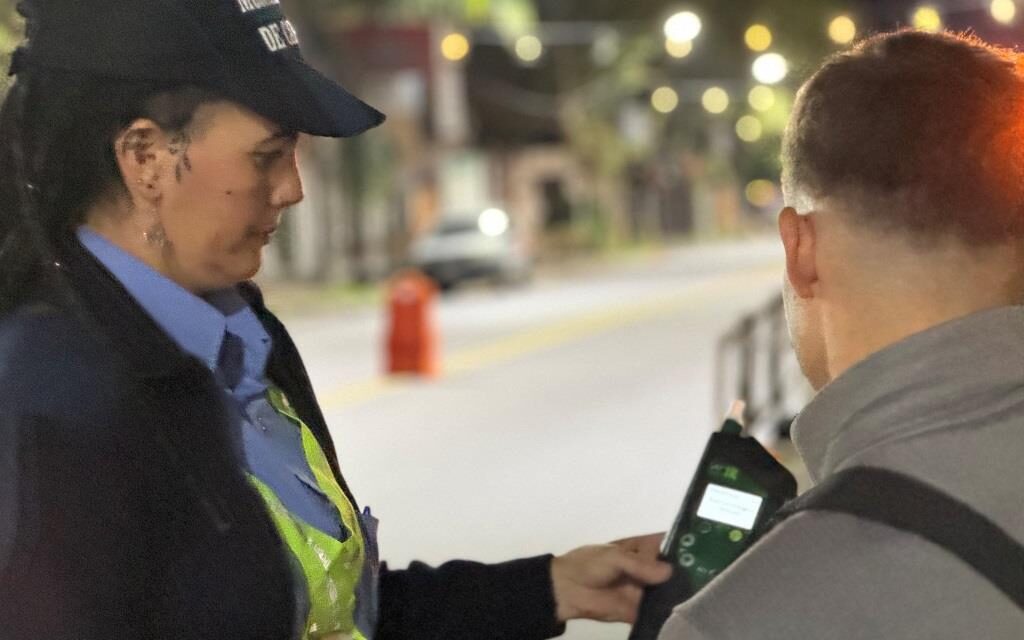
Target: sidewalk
<point>292,299</point>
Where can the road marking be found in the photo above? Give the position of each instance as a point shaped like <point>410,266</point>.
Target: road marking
<point>545,337</point>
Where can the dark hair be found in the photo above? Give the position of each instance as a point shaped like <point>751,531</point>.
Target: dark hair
<point>917,132</point>
<point>57,130</point>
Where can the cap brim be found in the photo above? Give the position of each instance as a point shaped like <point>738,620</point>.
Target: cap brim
<point>300,98</point>
<point>328,109</point>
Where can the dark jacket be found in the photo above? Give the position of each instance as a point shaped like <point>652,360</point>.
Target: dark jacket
<point>124,508</point>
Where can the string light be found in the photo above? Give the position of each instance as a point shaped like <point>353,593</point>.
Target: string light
<point>770,68</point>
<point>715,100</point>
<point>927,18</point>
<point>679,50</point>
<point>761,98</point>
<point>1004,11</point>
<point>758,38</point>
<point>761,193</point>
<point>529,48</point>
<point>749,129</point>
<point>683,26</point>
<point>455,46</point>
<point>664,100</point>
<point>842,30</point>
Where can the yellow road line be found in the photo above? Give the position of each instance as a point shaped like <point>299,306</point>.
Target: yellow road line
<point>556,334</point>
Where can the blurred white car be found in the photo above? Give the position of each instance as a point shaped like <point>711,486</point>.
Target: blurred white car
<point>472,245</point>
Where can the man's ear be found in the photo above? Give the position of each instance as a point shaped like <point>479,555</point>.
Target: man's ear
<point>139,151</point>
<point>798,238</point>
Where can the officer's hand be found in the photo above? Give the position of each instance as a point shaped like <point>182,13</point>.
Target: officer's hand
<point>605,582</point>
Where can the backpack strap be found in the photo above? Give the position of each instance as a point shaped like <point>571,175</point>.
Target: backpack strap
<point>905,503</point>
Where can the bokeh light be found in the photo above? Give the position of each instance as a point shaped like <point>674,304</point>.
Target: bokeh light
<point>770,68</point>
<point>927,18</point>
<point>455,46</point>
<point>607,47</point>
<point>664,100</point>
<point>761,98</point>
<point>529,48</point>
<point>1004,11</point>
<point>749,129</point>
<point>679,50</point>
<point>683,26</point>
<point>842,30</point>
<point>715,100</point>
<point>758,38</point>
<point>493,222</point>
<point>761,193</point>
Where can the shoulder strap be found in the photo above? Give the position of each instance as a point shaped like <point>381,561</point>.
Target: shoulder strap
<point>902,502</point>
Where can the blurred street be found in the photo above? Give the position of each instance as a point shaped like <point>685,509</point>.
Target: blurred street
<point>582,200</point>
<point>572,411</point>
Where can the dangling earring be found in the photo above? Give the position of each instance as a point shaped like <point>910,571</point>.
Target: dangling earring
<point>156,236</point>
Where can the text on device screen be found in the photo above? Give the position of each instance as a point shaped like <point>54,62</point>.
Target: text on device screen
<point>729,506</point>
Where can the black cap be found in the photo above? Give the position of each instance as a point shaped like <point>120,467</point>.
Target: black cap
<point>245,50</point>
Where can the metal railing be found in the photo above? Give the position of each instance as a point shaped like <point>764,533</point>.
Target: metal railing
<point>755,363</point>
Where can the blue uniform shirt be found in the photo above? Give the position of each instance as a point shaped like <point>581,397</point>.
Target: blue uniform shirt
<point>223,332</point>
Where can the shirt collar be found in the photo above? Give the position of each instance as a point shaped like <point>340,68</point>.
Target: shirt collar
<point>196,324</point>
<point>945,377</point>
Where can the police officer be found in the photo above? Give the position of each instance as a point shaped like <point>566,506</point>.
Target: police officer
<point>165,470</point>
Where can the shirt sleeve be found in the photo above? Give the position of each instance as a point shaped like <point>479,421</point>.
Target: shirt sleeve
<point>463,600</point>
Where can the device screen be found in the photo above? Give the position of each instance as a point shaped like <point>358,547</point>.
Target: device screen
<point>729,506</point>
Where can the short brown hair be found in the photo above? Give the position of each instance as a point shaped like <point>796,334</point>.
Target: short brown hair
<point>917,131</point>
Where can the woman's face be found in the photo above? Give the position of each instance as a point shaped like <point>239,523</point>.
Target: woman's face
<point>222,188</point>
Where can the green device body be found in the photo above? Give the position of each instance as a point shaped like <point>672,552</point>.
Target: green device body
<point>737,488</point>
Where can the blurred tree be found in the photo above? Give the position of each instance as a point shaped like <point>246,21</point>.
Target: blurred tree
<point>591,88</point>
<point>10,35</point>
<point>587,84</point>
<point>593,96</point>
<point>471,12</point>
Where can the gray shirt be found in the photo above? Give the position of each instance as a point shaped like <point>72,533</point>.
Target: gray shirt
<point>946,406</point>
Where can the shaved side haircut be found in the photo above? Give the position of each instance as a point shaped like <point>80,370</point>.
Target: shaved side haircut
<point>915,132</point>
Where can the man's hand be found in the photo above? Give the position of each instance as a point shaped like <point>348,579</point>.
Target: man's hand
<point>605,582</point>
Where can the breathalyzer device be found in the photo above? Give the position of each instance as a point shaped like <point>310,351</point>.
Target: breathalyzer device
<point>736,490</point>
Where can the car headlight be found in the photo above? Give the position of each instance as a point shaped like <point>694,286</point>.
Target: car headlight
<point>493,222</point>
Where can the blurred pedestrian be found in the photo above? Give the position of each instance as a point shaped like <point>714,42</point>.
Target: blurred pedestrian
<point>165,470</point>
<point>904,241</point>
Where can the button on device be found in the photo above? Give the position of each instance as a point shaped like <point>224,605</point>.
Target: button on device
<point>687,559</point>
<point>735,535</point>
<point>704,527</point>
<point>688,540</point>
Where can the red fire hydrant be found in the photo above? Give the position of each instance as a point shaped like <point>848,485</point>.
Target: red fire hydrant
<point>412,338</point>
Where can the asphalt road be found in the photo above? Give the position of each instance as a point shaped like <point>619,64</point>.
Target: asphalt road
<point>570,412</point>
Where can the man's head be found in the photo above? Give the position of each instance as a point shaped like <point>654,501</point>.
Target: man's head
<point>903,168</point>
